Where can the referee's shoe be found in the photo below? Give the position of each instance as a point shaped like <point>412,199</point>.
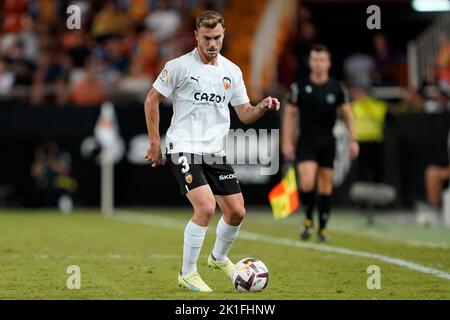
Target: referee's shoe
<point>308,229</point>
<point>322,236</point>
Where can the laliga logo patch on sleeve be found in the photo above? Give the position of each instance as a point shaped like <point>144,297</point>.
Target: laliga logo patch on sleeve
<point>164,75</point>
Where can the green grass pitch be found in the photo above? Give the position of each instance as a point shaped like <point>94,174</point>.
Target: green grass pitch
<point>138,255</point>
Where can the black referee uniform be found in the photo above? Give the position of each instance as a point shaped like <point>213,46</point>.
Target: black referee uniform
<point>318,108</point>
<point>318,105</point>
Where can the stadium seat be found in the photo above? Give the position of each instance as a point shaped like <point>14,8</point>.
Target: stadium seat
<point>371,196</point>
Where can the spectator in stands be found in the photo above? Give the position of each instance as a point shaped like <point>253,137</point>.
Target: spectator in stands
<point>147,49</point>
<point>22,69</point>
<point>429,82</point>
<point>104,71</point>
<point>115,54</point>
<point>369,114</point>
<point>110,21</point>
<point>440,104</point>
<point>135,86</point>
<point>443,63</point>
<point>29,38</point>
<point>359,69</point>
<point>138,10</point>
<point>164,21</point>
<point>75,45</point>
<point>412,102</point>
<point>49,80</point>
<point>185,38</point>
<point>293,61</point>
<point>384,61</point>
<point>88,91</point>
<point>302,49</point>
<point>47,11</point>
<point>11,11</point>
<point>196,7</point>
<point>6,79</point>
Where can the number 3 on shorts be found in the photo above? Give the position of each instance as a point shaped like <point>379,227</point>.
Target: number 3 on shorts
<point>184,164</point>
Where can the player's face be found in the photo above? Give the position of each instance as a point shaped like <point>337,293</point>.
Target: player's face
<point>210,41</point>
<point>319,62</point>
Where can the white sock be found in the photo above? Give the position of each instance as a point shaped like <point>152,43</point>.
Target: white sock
<point>193,241</point>
<point>225,236</point>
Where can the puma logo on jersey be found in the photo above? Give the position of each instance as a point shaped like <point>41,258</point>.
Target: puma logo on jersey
<point>208,97</point>
<point>196,79</point>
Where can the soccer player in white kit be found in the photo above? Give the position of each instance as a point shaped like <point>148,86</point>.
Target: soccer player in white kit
<point>201,84</point>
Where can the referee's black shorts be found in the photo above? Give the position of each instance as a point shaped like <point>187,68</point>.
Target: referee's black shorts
<point>317,148</point>
<point>195,170</point>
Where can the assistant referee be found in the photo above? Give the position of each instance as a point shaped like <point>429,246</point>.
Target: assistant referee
<point>318,99</point>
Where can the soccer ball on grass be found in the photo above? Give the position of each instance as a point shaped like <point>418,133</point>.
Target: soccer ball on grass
<point>250,275</point>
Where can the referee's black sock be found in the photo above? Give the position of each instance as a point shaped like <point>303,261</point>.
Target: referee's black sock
<point>308,201</point>
<point>324,210</point>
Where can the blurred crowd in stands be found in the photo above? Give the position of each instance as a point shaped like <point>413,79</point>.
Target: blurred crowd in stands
<point>123,44</point>
<point>364,71</point>
<point>119,50</point>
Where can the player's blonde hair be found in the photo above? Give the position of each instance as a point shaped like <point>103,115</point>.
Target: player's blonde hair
<point>209,19</point>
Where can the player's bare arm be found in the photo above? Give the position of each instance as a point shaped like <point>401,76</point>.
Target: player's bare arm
<point>248,114</point>
<point>287,134</point>
<point>153,155</point>
<point>345,111</point>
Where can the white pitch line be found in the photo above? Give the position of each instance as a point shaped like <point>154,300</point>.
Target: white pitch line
<point>109,256</point>
<point>151,219</point>
<point>378,235</point>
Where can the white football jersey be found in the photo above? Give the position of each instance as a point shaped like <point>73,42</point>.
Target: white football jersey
<point>200,94</point>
